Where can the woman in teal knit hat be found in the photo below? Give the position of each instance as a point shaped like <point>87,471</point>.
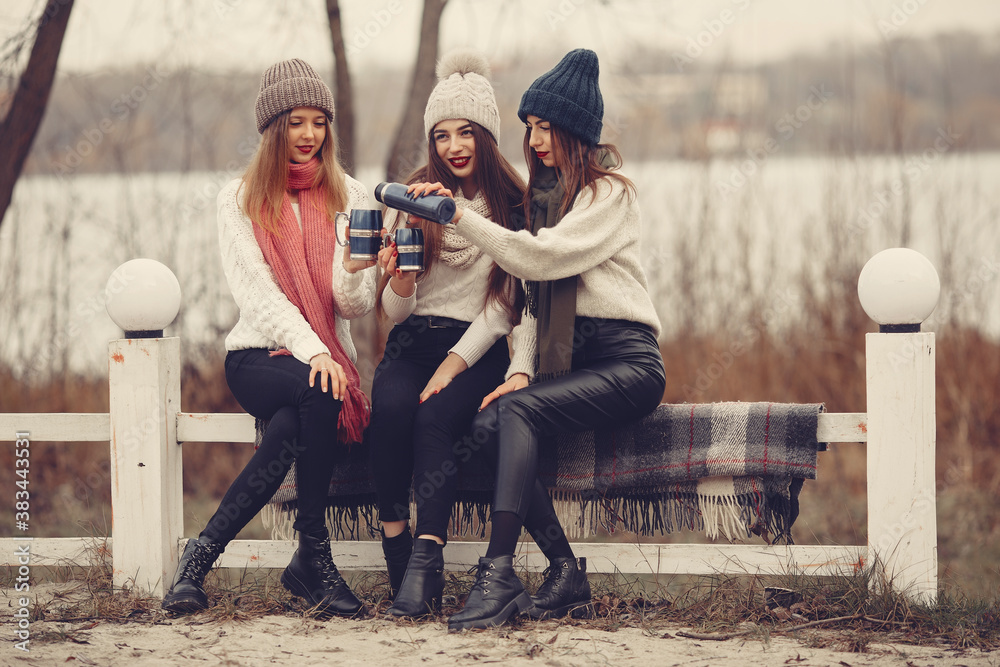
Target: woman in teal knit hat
<point>589,319</point>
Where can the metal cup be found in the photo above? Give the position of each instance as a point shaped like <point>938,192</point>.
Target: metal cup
<point>365,235</point>
<point>410,246</point>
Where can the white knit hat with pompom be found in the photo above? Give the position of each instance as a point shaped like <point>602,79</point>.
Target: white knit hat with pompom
<point>463,91</point>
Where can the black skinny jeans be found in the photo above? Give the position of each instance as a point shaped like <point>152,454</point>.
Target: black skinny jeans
<point>413,441</point>
<point>617,376</point>
<point>302,428</point>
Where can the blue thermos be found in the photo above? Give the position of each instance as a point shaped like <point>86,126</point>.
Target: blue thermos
<point>436,208</point>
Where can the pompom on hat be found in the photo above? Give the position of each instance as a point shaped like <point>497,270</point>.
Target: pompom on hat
<point>569,96</point>
<point>463,91</point>
<point>289,84</point>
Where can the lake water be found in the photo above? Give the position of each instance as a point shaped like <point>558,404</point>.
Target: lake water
<point>722,240</point>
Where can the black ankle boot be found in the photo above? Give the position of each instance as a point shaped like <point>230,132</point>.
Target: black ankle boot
<point>424,581</point>
<point>496,596</point>
<point>313,576</point>
<point>397,551</point>
<point>186,592</point>
<point>564,591</point>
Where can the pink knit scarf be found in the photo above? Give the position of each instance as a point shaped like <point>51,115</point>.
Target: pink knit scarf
<point>302,261</point>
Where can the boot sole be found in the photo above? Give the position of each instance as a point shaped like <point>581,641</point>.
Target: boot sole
<point>519,604</point>
<point>580,609</point>
<point>183,605</point>
<point>316,607</point>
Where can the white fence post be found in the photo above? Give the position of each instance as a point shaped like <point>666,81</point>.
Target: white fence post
<point>144,374</point>
<point>899,289</point>
<point>902,518</point>
<point>146,477</point>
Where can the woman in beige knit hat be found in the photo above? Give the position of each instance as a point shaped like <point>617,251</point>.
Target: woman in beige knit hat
<point>290,358</point>
<point>448,347</point>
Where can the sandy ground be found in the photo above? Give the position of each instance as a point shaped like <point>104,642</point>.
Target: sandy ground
<point>298,641</point>
<point>376,642</point>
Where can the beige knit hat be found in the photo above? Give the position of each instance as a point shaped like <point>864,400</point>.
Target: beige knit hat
<point>464,91</point>
<point>289,84</point>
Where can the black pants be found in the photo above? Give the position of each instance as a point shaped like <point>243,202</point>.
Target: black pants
<point>302,428</point>
<point>617,377</point>
<point>412,441</point>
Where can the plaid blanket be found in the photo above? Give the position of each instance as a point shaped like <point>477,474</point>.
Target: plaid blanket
<point>733,469</point>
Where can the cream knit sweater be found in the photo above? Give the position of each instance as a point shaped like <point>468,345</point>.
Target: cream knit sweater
<point>460,294</point>
<point>267,318</point>
<point>597,240</point>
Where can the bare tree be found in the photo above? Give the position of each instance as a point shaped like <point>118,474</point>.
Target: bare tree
<point>343,89</point>
<point>403,156</point>
<point>18,128</point>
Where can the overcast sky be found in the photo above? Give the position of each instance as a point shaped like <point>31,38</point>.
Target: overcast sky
<point>252,34</point>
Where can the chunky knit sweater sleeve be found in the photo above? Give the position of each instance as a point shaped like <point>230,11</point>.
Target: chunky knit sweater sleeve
<point>598,240</point>
<point>525,343</point>
<point>263,306</point>
<point>592,231</point>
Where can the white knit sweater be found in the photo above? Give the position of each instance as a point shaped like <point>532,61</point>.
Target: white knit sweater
<point>460,294</point>
<point>597,240</point>
<point>267,318</point>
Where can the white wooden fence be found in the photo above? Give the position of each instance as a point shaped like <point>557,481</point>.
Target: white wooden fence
<point>145,427</point>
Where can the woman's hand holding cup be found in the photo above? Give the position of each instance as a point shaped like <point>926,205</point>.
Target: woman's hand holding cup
<point>403,283</point>
<point>355,265</point>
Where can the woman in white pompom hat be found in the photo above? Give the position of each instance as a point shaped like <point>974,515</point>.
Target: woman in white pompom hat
<point>448,347</point>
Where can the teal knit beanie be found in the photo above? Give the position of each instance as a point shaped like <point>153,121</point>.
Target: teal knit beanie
<point>568,96</point>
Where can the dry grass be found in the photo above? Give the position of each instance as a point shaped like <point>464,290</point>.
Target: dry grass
<point>846,610</point>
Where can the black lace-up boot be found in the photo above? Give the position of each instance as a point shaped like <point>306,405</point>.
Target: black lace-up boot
<point>313,576</point>
<point>187,593</point>
<point>496,596</point>
<point>565,590</point>
<point>424,581</point>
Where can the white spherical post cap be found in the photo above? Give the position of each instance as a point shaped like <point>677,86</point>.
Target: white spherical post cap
<point>142,295</point>
<point>899,286</point>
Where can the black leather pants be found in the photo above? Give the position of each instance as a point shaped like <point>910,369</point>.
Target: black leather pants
<point>617,377</point>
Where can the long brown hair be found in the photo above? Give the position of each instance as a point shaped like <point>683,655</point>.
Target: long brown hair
<point>579,166</point>
<point>266,177</point>
<point>503,189</point>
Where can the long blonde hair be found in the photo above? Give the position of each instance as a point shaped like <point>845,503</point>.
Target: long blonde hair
<point>266,177</point>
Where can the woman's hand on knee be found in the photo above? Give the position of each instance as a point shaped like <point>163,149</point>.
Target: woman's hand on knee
<point>516,381</point>
<point>447,371</point>
<point>331,375</point>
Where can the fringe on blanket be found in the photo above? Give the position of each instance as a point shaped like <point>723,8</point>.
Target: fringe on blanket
<point>351,521</point>
<point>731,507</point>
<point>715,507</point>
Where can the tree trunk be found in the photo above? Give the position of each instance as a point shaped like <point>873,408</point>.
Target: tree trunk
<point>409,148</point>
<point>18,129</point>
<point>343,91</point>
